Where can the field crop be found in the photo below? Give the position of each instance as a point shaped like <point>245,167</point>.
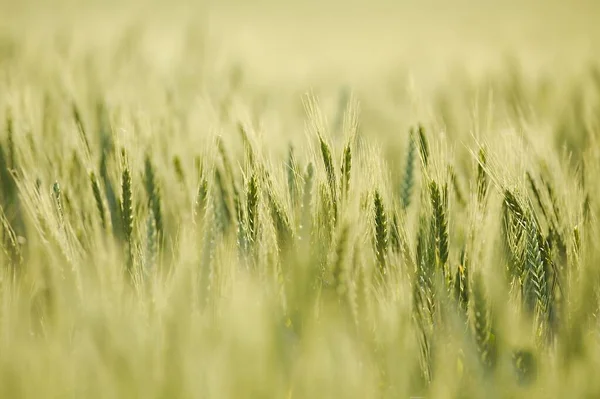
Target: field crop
<point>241,201</point>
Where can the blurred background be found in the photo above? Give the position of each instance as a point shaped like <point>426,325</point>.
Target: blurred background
<point>352,40</point>
<point>407,62</point>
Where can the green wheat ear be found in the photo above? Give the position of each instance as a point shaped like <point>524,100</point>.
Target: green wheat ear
<point>201,199</point>
<point>127,211</point>
<point>536,290</point>
<point>81,128</point>
<point>440,228</point>
<point>536,195</point>
<point>339,265</point>
<point>98,198</point>
<point>423,146</point>
<point>151,243</point>
<point>424,291</point>
<point>153,193</point>
<point>408,179</point>
<point>461,283</point>
<point>576,240</point>
<point>291,169</point>
<point>324,219</point>
<point>281,221</point>
<point>381,232</point>
<point>58,202</point>
<point>11,162</point>
<point>179,172</point>
<point>346,168</point>
<point>458,192</point>
<point>249,151</point>
<point>482,323</point>
<point>514,229</point>
<point>223,209</point>
<point>331,178</point>
<point>10,244</point>
<point>307,195</point>
<point>482,177</point>
<point>114,205</point>
<point>252,206</point>
<point>525,364</point>
<point>226,161</point>
<point>395,240</point>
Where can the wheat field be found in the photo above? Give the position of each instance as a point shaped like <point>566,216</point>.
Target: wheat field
<point>299,199</point>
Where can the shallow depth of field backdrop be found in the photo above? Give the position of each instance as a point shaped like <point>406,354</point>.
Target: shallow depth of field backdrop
<point>299,199</point>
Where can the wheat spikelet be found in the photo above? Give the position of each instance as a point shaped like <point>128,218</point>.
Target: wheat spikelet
<point>339,265</point>
<point>408,179</point>
<point>10,243</point>
<point>280,220</point>
<point>307,195</point>
<point>395,241</point>
<point>222,206</point>
<point>423,146</point>
<point>330,170</point>
<point>481,322</point>
<point>525,365</point>
<point>252,206</point>
<point>153,192</point>
<point>98,199</point>
<point>201,199</point>
<point>114,204</point>
<point>242,225</point>
<point>381,232</point>
<point>127,211</point>
<point>345,172</point>
<point>10,138</point>
<point>59,203</point>
<point>537,196</point>
<point>553,201</point>
<point>458,193</point>
<point>440,229</point>
<point>514,229</point>
<point>291,169</point>
<point>151,243</point>
<point>424,292</point>
<point>81,128</point>
<point>536,289</point>
<point>249,151</point>
<point>225,159</point>
<point>179,172</point>
<point>423,333</point>
<point>461,283</point>
<point>324,224</point>
<point>482,177</point>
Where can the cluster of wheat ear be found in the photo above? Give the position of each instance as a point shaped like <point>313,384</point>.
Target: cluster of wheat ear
<point>177,239</point>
